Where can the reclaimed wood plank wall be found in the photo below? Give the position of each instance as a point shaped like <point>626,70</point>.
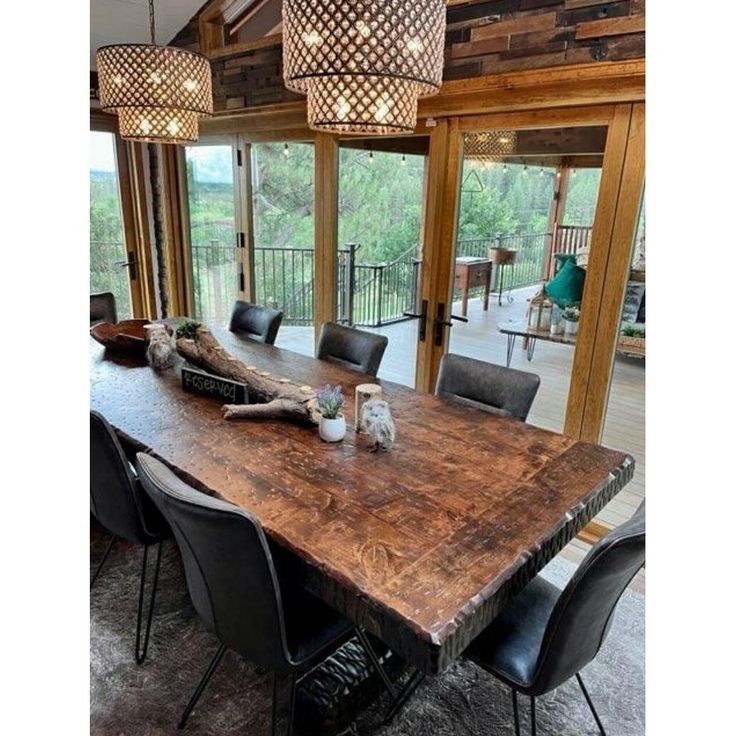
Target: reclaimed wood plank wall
<point>483,37</point>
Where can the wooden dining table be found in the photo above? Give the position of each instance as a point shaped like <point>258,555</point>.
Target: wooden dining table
<point>422,545</point>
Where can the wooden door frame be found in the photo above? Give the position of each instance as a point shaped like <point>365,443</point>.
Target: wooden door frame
<point>615,224</point>
<point>134,197</point>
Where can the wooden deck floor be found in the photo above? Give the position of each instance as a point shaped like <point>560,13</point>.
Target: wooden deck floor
<point>480,338</point>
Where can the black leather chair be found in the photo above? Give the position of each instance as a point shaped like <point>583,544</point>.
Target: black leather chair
<point>102,308</point>
<point>256,323</point>
<point>259,612</point>
<point>356,350</point>
<point>119,504</point>
<point>547,635</point>
<point>492,388</point>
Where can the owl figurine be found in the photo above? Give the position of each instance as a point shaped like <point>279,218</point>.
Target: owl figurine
<point>376,421</point>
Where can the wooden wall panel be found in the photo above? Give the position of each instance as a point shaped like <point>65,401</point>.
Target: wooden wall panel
<point>484,37</point>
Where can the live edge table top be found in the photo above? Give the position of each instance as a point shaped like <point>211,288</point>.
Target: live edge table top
<point>422,545</point>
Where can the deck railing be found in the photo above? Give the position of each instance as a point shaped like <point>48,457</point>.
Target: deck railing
<point>368,294</point>
<point>107,273</point>
<point>529,265</point>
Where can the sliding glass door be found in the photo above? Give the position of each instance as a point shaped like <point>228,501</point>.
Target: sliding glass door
<point>214,227</point>
<point>526,216</point>
<point>282,191</point>
<point>111,265</point>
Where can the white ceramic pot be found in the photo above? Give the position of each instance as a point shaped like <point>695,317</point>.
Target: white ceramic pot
<point>571,328</point>
<point>332,430</point>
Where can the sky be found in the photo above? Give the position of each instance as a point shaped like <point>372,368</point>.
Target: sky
<point>101,151</point>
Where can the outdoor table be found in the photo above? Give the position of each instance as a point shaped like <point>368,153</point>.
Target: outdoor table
<point>512,330</point>
<point>422,545</point>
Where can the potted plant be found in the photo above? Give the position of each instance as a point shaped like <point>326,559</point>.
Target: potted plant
<point>633,335</point>
<point>571,315</point>
<point>332,421</point>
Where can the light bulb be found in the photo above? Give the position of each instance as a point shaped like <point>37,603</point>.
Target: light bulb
<point>525,170</point>
<point>414,45</point>
<point>312,39</point>
<point>505,168</point>
<point>574,172</point>
<point>541,171</point>
<point>190,85</point>
<point>370,157</point>
<point>382,110</point>
<point>173,126</point>
<point>145,126</point>
<point>403,160</point>
<point>286,149</point>
<point>343,108</point>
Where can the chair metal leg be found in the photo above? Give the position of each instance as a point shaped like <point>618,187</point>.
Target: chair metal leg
<point>590,705</point>
<point>274,704</point>
<point>202,685</point>
<point>140,654</point>
<point>414,682</point>
<point>371,652</point>
<point>103,561</point>
<point>534,715</point>
<point>517,727</point>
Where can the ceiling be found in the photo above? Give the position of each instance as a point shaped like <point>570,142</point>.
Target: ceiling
<point>123,21</point>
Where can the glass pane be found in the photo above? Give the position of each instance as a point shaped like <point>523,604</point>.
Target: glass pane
<point>379,230</point>
<point>625,415</point>
<point>283,223</point>
<point>106,241</point>
<point>216,258</point>
<point>523,211</point>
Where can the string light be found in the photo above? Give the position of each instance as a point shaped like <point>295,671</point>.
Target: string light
<point>286,149</point>
<point>505,168</point>
<point>525,170</point>
<point>370,157</point>
<point>403,160</point>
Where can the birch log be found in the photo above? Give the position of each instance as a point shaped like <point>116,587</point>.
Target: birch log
<point>281,399</point>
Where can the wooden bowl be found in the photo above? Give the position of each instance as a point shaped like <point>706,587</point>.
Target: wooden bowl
<point>127,336</point>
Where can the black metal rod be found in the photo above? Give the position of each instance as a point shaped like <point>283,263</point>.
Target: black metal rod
<point>102,562</point>
<point>202,685</point>
<point>590,704</point>
<point>534,715</point>
<point>140,655</point>
<point>371,652</point>
<point>514,699</point>
<point>408,690</point>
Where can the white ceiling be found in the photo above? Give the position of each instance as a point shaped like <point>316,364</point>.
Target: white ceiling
<point>123,21</point>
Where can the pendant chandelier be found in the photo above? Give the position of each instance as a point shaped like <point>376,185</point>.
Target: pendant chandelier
<point>489,147</point>
<point>363,64</point>
<point>158,92</point>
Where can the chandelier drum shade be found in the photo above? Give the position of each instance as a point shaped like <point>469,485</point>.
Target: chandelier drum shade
<point>489,147</point>
<point>158,92</point>
<point>363,64</point>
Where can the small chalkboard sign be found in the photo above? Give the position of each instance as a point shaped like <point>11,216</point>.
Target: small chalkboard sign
<point>229,392</point>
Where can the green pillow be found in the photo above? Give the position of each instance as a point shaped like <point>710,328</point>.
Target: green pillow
<point>566,288</point>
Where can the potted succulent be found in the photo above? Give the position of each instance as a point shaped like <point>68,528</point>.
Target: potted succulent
<point>571,315</point>
<point>332,422</point>
<point>633,335</point>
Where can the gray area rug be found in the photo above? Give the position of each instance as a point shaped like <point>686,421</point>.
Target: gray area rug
<point>141,701</point>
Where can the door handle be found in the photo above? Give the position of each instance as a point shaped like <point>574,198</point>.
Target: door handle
<point>131,263</point>
<point>422,317</point>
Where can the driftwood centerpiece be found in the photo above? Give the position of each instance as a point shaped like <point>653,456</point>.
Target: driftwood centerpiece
<point>281,398</point>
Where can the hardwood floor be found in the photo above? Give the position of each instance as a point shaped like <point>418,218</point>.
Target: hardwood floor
<point>480,338</point>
